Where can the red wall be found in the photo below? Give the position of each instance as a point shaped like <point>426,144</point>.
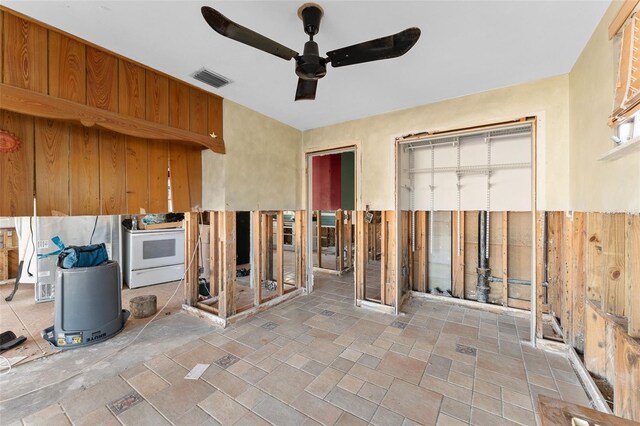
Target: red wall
<point>327,171</point>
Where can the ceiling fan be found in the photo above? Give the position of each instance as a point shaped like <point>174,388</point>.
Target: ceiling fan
<point>310,66</point>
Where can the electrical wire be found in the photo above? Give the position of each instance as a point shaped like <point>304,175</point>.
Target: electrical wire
<point>8,363</point>
<point>207,288</point>
<point>33,244</point>
<point>116,351</point>
<point>94,230</point>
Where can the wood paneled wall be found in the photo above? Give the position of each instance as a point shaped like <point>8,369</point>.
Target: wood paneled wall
<point>596,257</point>
<point>611,354</point>
<point>75,170</point>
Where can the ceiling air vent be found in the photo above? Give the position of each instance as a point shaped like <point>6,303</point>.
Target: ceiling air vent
<point>211,78</point>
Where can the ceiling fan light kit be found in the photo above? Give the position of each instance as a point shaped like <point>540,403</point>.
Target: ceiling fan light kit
<point>310,66</point>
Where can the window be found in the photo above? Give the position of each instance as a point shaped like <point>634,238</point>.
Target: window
<point>627,95</point>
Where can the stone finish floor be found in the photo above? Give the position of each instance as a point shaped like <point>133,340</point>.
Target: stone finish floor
<point>319,360</point>
<point>38,316</point>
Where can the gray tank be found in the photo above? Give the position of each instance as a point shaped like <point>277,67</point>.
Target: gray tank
<point>87,306</point>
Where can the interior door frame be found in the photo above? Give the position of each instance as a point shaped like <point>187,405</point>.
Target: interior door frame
<point>309,155</point>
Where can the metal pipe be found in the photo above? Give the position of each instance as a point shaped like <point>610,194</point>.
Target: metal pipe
<point>482,288</point>
<point>515,281</point>
<point>509,280</point>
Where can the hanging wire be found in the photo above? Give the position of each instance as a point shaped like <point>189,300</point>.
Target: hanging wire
<point>488,140</point>
<point>458,196</point>
<point>432,187</point>
<point>412,197</point>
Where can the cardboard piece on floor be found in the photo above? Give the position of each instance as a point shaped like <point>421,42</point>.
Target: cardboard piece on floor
<point>197,371</point>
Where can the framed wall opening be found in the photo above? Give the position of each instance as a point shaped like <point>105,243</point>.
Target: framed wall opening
<point>467,226</point>
<point>331,212</point>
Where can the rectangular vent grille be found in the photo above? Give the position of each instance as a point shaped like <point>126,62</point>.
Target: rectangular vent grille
<point>211,78</point>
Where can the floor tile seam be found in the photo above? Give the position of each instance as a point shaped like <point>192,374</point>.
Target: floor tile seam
<point>480,409</point>
<point>515,421</point>
<point>454,415</point>
<point>157,410</point>
<point>64,411</point>
<point>378,405</point>
<point>442,396</point>
<point>559,379</point>
<point>127,381</point>
<point>519,393</point>
<point>533,405</point>
<point>285,403</point>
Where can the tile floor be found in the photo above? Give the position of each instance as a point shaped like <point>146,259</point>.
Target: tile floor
<point>38,316</point>
<point>318,360</point>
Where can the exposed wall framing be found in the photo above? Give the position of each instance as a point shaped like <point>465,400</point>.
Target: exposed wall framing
<point>509,260</point>
<point>224,301</point>
<point>339,236</point>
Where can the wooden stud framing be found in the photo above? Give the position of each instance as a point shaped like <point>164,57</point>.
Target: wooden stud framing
<point>567,289</point>
<point>412,218</point>
<point>301,248</point>
<point>268,241</point>
<point>214,254</point>
<point>261,244</point>
<point>256,260</point>
<point>505,258</point>
<point>406,255</point>
<point>227,302</point>
<point>384,255</point>
<point>389,246</point>
<point>457,260</point>
<point>339,240</point>
<point>361,254</point>
<point>632,269</point>
<point>190,253</point>
<point>349,239</point>
<point>424,246</point>
<point>613,248</point>
<point>554,248</point>
<point>319,236</point>
<point>539,273</point>
<point>266,246</point>
<point>595,259</point>
<point>578,237</point>
<point>519,304</point>
<point>280,251</point>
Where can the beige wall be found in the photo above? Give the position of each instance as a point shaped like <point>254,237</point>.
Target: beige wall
<point>261,169</point>
<point>264,165</point>
<point>612,186</point>
<point>548,99</point>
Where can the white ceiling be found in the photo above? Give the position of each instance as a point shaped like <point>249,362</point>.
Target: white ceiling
<point>466,47</point>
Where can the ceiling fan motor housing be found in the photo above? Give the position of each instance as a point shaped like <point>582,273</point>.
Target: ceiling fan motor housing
<point>311,14</point>
<point>310,66</point>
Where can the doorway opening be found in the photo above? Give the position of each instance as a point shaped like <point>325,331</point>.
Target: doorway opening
<point>331,184</point>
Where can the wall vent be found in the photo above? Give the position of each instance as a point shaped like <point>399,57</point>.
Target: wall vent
<point>211,78</point>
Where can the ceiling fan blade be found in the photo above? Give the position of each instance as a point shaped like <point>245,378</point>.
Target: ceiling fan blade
<point>230,29</point>
<point>374,50</point>
<point>306,89</point>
